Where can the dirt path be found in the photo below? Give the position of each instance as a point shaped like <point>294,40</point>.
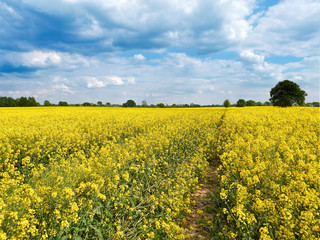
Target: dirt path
<point>199,212</point>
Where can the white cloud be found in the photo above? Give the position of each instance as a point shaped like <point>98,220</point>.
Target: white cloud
<point>250,56</point>
<point>43,59</point>
<point>58,79</point>
<point>114,80</point>
<point>40,58</point>
<point>102,81</point>
<point>290,27</point>
<point>256,64</point>
<point>20,93</point>
<point>93,82</point>
<point>139,57</point>
<point>63,88</point>
<point>182,61</point>
<point>71,61</point>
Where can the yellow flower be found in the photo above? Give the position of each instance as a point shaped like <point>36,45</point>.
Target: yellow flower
<point>126,176</point>
<point>116,177</point>
<point>3,235</point>
<point>200,212</point>
<point>223,194</point>
<point>64,224</point>
<point>152,198</point>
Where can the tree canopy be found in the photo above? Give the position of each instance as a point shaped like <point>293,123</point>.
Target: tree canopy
<point>46,103</point>
<point>21,102</point>
<point>129,103</point>
<point>62,103</point>
<point>287,93</point>
<point>227,103</point>
<point>251,103</point>
<point>241,103</point>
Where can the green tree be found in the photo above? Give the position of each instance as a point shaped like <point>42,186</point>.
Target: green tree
<point>227,103</point>
<point>46,103</point>
<point>3,101</point>
<point>129,103</point>
<point>87,104</point>
<point>160,105</point>
<point>32,102</point>
<point>99,103</point>
<point>194,105</point>
<point>62,103</point>
<point>315,104</point>
<point>8,102</point>
<point>287,93</point>
<point>22,101</point>
<point>251,103</point>
<point>241,103</point>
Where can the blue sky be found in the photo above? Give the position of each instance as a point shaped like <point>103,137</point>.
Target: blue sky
<point>170,51</point>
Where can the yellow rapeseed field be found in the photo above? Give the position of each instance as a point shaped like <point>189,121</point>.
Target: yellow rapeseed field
<point>121,173</point>
<point>270,174</point>
<point>101,173</point>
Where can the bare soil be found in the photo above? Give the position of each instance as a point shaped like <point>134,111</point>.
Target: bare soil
<point>199,211</point>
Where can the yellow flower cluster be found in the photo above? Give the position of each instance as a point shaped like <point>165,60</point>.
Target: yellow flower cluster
<point>270,173</point>
<point>106,173</point>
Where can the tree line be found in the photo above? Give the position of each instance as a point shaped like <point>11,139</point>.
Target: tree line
<point>31,102</point>
<point>286,93</point>
<point>18,102</point>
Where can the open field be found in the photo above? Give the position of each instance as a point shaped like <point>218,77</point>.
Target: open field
<point>117,173</point>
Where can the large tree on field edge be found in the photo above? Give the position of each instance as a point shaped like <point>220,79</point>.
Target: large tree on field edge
<point>287,93</point>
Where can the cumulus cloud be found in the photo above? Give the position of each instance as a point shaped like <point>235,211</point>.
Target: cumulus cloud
<point>44,59</point>
<point>99,82</point>
<point>290,27</point>
<point>139,57</point>
<point>250,56</point>
<point>40,59</point>
<point>63,88</point>
<point>94,82</point>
